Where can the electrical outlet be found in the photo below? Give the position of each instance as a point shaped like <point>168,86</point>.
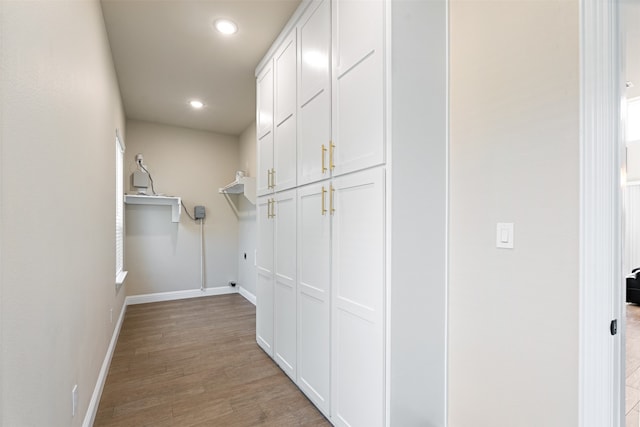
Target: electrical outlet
<point>74,400</point>
<point>111,315</point>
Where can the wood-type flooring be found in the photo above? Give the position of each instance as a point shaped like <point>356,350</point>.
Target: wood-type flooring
<point>195,362</point>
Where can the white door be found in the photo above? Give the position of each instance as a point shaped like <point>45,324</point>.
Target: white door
<point>314,309</point>
<point>284,143</point>
<point>285,332</point>
<point>357,292</point>
<point>314,93</point>
<point>264,128</point>
<point>265,272</point>
<point>358,85</point>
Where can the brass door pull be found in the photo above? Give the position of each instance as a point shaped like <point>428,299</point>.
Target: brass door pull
<point>331,150</point>
<point>332,191</point>
<point>324,150</point>
<point>324,192</point>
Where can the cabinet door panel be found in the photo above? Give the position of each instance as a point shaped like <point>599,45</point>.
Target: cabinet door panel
<point>357,290</point>
<point>285,286</point>
<point>314,100</point>
<point>285,155</point>
<point>265,273</point>
<point>358,84</point>
<point>357,31</point>
<point>284,143</point>
<point>314,234</point>
<point>265,163</point>
<point>264,94</point>
<point>315,44</point>
<point>285,86</point>
<point>359,117</point>
<point>314,132</point>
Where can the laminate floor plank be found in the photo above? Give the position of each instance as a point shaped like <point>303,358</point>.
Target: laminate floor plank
<point>195,363</point>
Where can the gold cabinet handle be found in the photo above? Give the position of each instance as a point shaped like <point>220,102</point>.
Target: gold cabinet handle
<point>269,208</point>
<point>324,150</point>
<point>272,208</point>
<point>269,178</point>
<point>331,149</point>
<point>331,190</point>
<point>273,178</point>
<point>324,192</point>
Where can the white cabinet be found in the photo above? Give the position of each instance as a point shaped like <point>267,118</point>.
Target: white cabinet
<point>314,93</point>
<point>355,218</point>
<point>357,289</point>
<point>327,218</point>
<point>265,272</point>
<point>314,303</point>
<point>358,85</point>
<point>276,330</point>
<point>276,120</point>
<point>283,175</point>
<point>284,318</point>
<point>340,297</point>
<point>264,129</point>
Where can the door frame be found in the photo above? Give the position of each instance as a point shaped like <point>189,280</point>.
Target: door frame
<point>601,356</point>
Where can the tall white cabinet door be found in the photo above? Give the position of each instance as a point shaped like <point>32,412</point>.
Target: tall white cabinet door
<point>357,290</point>
<point>264,128</point>
<point>314,93</point>
<point>314,304</point>
<point>284,154</point>
<point>265,273</point>
<point>285,329</point>
<point>358,84</point>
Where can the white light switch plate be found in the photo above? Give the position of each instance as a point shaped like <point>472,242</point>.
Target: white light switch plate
<point>504,235</point>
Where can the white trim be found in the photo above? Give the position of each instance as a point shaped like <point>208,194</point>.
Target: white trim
<point>92,410</point>
<point>176,295</point>
<point>248,295</point>
<point>601,389</point>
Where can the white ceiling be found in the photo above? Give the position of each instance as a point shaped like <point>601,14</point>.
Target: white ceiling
<point>166,53</point>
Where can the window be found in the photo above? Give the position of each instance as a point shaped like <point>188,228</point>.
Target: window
<point>120,273</point>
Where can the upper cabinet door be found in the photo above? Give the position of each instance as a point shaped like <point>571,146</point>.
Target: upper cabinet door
<point>264,93</point>
<point>358,85</point>
<point>314,93</point>
<point>284,154</point>
<point>264,129</point>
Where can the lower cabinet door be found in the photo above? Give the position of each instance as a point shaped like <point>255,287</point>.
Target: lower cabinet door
<point>314,313</point>
<point>285,329</point>
<point>357,292</point>
<point>264,281</point>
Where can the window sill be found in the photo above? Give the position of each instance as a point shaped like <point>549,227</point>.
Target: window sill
<point>120,278</point>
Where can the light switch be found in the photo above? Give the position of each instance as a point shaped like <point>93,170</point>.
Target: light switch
<point>504,235</point>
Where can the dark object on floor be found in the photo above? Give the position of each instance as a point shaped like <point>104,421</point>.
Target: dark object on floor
<point>633,286</point>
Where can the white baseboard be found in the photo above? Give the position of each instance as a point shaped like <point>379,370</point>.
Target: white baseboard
<point>92,410</point>
<point>170,296</point>
<point>248,295</point>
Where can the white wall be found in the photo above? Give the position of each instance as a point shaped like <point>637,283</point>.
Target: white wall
<point>247,222</point>
<point>59,108</point>
<point>162,256</point>
<point>514,157</point>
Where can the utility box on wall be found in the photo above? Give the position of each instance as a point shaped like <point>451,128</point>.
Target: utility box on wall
<point>198,212</point>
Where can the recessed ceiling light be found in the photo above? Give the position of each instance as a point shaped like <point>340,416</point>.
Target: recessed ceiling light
<point>196,104</point>
<point>225,26</point>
